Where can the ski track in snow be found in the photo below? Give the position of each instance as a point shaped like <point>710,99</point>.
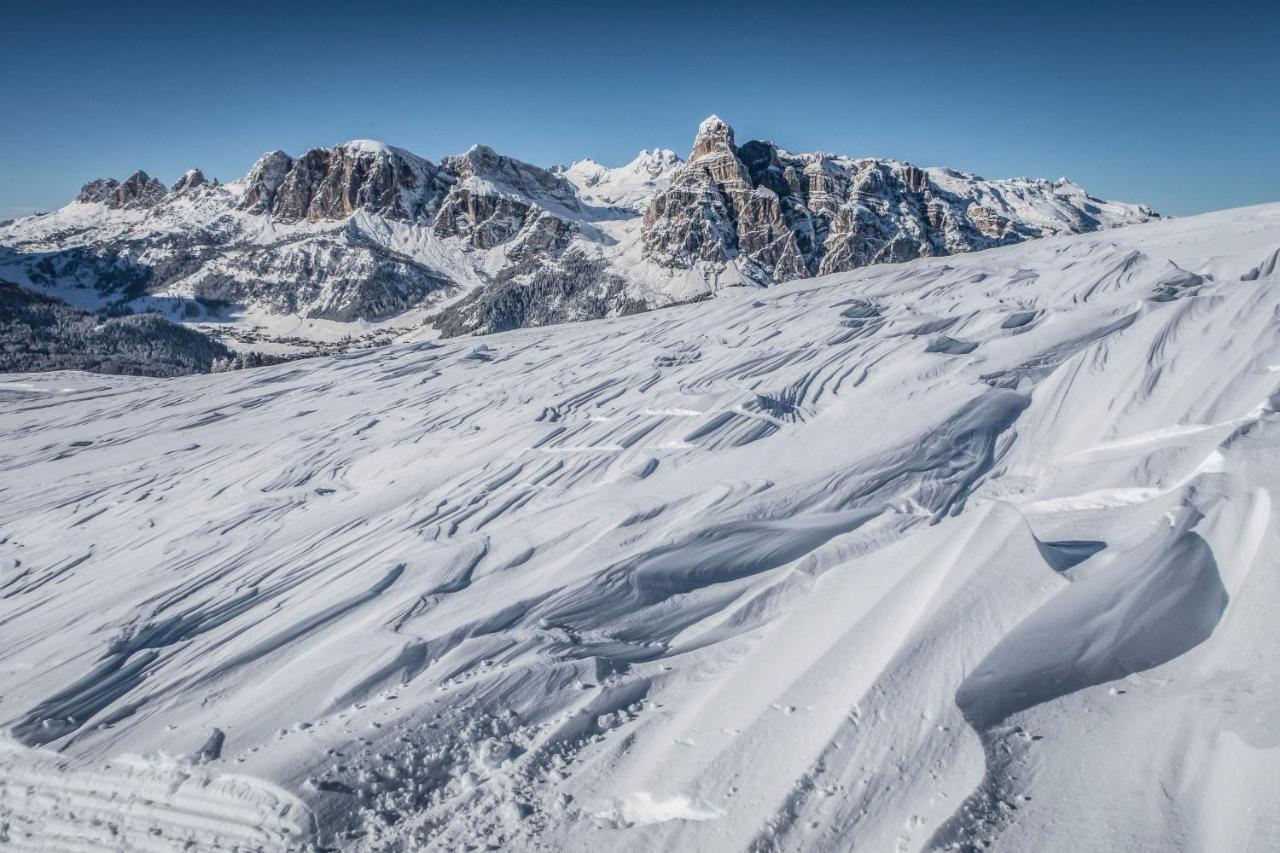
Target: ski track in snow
<point>971,552</point>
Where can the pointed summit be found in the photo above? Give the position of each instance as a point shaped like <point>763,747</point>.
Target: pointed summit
<point>137,190</point>
<point>190,179</point>
<point>714,136</point>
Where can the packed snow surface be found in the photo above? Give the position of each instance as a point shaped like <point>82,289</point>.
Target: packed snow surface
<point>968,552</point>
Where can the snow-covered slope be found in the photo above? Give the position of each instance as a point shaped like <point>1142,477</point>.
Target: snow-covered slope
<point>365,234</point>
<point>972,552</point>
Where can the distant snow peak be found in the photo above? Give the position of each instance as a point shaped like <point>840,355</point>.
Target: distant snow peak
<point>369,146</point>
<point>655,163</point>
<point>629,186</point>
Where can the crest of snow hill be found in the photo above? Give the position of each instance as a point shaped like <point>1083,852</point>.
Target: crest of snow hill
<point>367,231</point>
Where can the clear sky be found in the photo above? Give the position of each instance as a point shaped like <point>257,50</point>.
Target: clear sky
<point>1176,105</point>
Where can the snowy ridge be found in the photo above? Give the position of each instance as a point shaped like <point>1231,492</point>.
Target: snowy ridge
<point>936,555</point>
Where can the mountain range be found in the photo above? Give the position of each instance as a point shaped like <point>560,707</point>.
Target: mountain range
<point>365,233</point>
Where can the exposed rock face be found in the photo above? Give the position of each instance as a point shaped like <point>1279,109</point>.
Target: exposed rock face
<point>714,138</point>
<point>781,216</point>
<point>506,174</point>
<point>263,180</point>
<point>138,190</point>
<point>190,180</point>
<point>332,183</point>
<point>339,276</point>
<point>97,191</point>
<point>494,199</point>
<point>716,209</point>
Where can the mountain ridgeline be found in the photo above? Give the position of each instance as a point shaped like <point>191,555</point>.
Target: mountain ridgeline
<point>481,242</point>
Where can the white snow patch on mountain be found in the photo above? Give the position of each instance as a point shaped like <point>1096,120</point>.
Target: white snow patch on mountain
<point>630,186</point>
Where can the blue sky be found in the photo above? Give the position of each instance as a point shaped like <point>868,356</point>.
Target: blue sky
<point>1176,105</point>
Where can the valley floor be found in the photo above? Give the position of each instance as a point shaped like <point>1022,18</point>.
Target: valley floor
<point>974,552</point>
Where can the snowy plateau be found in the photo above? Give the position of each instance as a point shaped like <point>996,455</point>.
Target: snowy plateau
<point>971,552</point>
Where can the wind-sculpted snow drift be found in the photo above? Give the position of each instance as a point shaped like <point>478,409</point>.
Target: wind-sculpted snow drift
<point>966,552</point>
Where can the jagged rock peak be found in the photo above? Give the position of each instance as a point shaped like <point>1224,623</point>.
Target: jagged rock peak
<point>714,136</point>
<point>190,179</point>
<point>97,191</point>
<point>332,183</point>
<point>137,190</point>
<point>779,216</point>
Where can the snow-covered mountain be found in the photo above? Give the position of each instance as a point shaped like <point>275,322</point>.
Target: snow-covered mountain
<point>777,217</point>
<point>368,233</point>
<point>970,552</point>
<point>631,186</point>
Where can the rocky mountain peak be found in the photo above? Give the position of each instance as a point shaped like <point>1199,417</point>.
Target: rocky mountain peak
<point>715,210</point>
<point>778,216</point>
<point>714,137</point>
<point>491,172</point>
<point>630,186</point>
<point>263,180</point>
<point>332,183</point>
<point>97,191</point>
<point>190,179</point>
<point>137,190</point>
<point>735,214</point>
